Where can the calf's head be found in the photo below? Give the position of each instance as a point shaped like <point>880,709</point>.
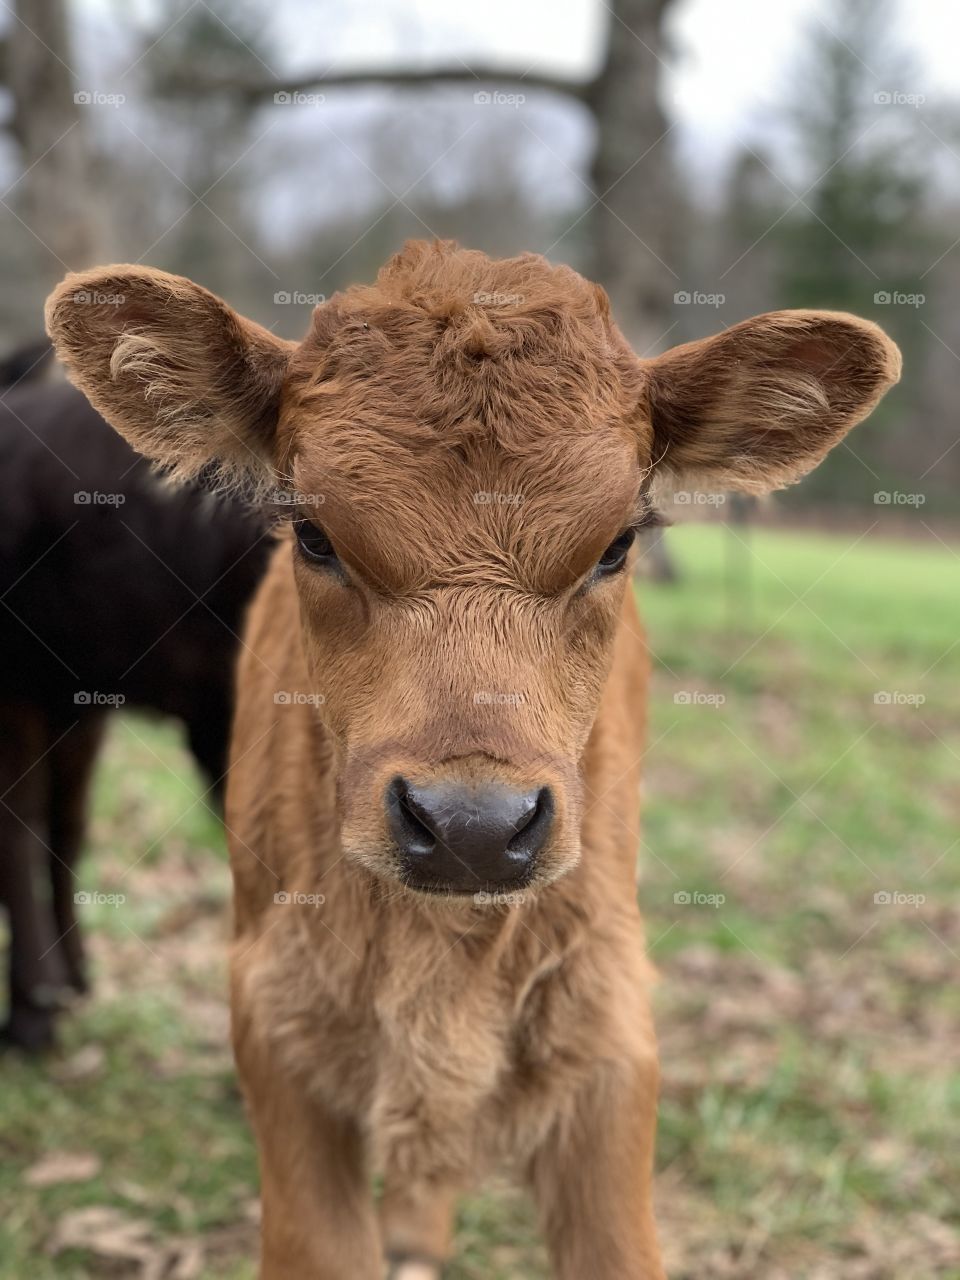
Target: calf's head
<point>473,445</point>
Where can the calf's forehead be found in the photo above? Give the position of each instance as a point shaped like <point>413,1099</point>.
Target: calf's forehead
<point>410,507</point>
<point>467,431</point>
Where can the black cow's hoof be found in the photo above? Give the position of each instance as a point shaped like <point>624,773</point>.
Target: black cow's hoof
<point>29,1029</point>
<point>77,980</point>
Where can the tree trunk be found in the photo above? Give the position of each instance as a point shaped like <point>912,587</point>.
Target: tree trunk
<point>635,235</point>
<point>54,196</point>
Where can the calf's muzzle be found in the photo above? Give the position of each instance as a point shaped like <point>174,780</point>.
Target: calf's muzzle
<point>454,837</point>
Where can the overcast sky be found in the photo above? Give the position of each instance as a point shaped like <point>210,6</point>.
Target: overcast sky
<point>730,59</point>
<point>731,53</point>
<point>727,68</point>
<point>730,67</point>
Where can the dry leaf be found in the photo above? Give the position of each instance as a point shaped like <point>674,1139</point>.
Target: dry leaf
<point>63,1166</point>
<point>104,1231</point>
<point>113,1237</point>
<point>82,1065</point>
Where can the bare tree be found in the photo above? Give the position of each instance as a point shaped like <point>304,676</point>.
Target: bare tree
<point>55,194</point>
<point>633,214</point>
<point>635,227</point>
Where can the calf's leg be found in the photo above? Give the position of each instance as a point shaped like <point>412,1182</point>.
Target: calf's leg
<point>318,1214</point>
<point>593,1179</point>
<point>417,1226</point>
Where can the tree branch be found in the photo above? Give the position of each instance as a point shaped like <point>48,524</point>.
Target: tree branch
<point>481,78</point>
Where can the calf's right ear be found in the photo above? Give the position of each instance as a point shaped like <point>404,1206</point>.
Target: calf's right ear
<point>184,378</point>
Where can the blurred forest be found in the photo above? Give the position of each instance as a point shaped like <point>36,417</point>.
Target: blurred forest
<point>175,133</point>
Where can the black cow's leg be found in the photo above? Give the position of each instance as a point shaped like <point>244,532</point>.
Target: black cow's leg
<point>35,972</point>
<point>208,732</point>
<point>71,768</point>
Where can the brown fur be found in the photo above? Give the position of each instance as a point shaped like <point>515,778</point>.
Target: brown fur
<point>428,1038</point>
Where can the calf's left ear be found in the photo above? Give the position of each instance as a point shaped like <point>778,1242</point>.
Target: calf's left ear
<point>758,406</point>
<point>184,378</point>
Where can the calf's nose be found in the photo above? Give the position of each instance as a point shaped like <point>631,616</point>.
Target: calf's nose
<point>462,838</point>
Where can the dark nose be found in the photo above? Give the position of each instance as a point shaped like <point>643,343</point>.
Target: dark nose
<point>460,838</point>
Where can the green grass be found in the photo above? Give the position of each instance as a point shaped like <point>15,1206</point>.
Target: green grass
<point>810,1034</point>
<point>800,781</point>
<point>829,1021</point>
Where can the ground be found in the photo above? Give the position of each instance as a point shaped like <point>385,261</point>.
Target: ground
<point>800,877</point>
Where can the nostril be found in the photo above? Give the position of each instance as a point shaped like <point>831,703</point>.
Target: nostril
<point>532,831</point>
<point>408,827</point>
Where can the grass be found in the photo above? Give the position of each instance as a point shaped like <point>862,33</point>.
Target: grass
<point>809,1031</point>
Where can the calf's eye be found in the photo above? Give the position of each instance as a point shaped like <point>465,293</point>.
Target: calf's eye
<point>615,556</point>
<point>313,542</point>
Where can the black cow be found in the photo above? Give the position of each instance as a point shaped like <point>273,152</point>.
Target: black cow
<point>114,589</point>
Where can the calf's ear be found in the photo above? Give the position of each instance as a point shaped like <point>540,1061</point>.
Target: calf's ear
<point>184,378</point>
<point>758,406</point>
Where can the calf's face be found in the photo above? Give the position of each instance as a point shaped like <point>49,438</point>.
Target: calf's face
<point>459,593</point>
<point>469,447</point>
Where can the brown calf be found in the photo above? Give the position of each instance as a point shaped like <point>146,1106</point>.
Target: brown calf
<point>439,964</point>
